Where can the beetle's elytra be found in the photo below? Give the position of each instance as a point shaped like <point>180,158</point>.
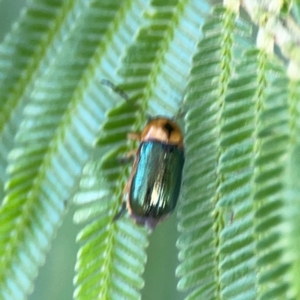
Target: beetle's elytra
<point>152,191</point>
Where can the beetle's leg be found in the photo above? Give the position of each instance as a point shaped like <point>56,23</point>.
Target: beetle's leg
<point>121,212</point>
<point>135,136</point>
<point>128,157</point>
<point>131,154</point>
<point>123,208</point>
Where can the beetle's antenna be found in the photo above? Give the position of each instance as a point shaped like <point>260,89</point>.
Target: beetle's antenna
<point>115,88</point>
<point>149,117</point>
<point>121,93</point>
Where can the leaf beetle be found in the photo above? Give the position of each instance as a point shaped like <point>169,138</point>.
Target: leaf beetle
<point>153,188</point>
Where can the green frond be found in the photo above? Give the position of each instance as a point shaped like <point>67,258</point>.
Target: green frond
<point>238,261</point>
<point>291,214</point>
<point>170,70</point>
<point>271,145</point>
<point>63,135</point>
<point>110,249</point>
<point>21,54</point>
<point>294,111</point>
<point>250,116</point>
<point>142,67</point>
<point>59,127</point>
<point>150,67</point>
<point>112,258</point>
<point>200,223</point>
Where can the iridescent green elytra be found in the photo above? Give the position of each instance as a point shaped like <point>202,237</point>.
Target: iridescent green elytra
<point>153,189</point>
<point>156,183</point>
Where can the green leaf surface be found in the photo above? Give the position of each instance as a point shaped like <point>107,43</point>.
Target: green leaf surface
<point>150,86</point>
<point>200,223</point>
<point>237,264</point>
<point>77,76</point>
<point>42,174</point>
<point>271,146</point>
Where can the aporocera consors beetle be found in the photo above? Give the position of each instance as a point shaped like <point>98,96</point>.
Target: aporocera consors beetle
<point>152,190</point>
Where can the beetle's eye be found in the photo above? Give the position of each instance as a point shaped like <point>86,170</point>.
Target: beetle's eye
<point>169,128</point>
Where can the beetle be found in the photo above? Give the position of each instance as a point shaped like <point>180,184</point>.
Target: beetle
<point>153,188</point>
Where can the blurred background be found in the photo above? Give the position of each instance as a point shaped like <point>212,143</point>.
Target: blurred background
<point>55,279</point>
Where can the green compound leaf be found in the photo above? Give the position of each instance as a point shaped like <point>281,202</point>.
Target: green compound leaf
<point>59,126</point>
<point>23,55</point>
<point>112,257</point>
<point>150,86</point>
<point>201,223</point>
<point>272,132</point>
<point>252,112</point>
<point>232,246</point>
<point>238,262</point>
<point>292,208</point>
<point>239,212</point>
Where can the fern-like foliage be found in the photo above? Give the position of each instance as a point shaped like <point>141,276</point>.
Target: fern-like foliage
<point>63,135</point>
<point>250,238</point>
<point>20,55</point>
<point>291,206</point>
<point>238,264</point>
<point>142,68</point>
<point>231,227</point>
<point>52,145</point>
<point>112,258</point>
<point>272,140</point>
<point>201,221</point>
